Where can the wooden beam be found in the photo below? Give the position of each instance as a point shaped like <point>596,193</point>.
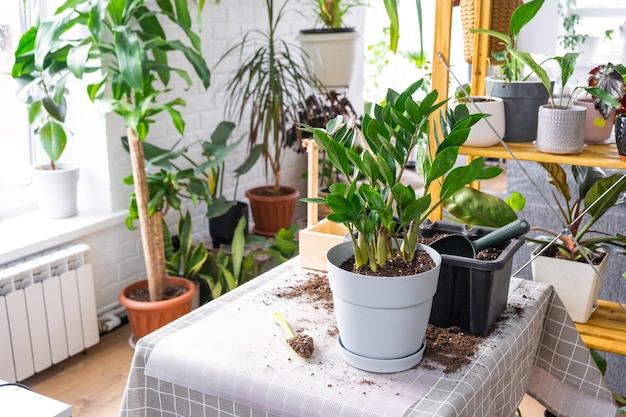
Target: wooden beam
<point>440,75</point>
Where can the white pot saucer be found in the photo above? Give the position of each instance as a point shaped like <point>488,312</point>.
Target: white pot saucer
<point>382,366</point>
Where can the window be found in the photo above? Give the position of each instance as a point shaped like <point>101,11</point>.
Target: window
<point>15,142</point>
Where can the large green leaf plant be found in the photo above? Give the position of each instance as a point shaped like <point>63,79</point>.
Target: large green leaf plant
<point>580,209</point>
<point>126,48</point>
<point>374,204</point>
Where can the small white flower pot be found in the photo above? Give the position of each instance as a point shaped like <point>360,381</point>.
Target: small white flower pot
<point>56,190</point>
<point>561,131</point>
<point>482,134</point>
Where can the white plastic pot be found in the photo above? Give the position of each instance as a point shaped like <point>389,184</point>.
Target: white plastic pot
<point>56,190</point>
<point>482,134</point>
<point>576,283</point>
<point>381,320</point>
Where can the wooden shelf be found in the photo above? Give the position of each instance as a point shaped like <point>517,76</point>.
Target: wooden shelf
<point>604,156</point>
<point>606,329</point>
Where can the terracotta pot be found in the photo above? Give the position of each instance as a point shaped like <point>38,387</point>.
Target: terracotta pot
<point>146,317</point>
<point>597,129</point>
<point>272,212</point>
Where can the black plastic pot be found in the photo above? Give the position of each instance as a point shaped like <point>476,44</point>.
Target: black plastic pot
<point>222,228</point>
<point>471,293</point>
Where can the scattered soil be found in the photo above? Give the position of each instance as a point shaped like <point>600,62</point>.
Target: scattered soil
<point>302,344</point>
<point>395,267</point>
<point>316,289</point>
<point>451,347</point>
<point>171,291</point>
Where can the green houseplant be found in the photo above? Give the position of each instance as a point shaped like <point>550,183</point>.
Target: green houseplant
<point>522,95</point>
<point>41,85</point>
<point>331,48</point>
<point>127,44</point>
<point>223,213</point>
<point>560,127</point>
<point>377,208</point>
<point>267,87</point>
<point>578,244</point>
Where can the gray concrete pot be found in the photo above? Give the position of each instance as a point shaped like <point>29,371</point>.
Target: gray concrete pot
<point>521,101</point>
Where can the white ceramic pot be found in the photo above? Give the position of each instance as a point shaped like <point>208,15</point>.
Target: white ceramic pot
<point>561,131</point>
<point>576,283</point>
<point>597,128</point>
<point>381,320</point>
<point>56,190</point>
<point>333,55</point>
<point>482,134</point>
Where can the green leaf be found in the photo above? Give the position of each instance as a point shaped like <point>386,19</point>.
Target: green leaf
<point>53,139</point>
<point>77,59</point>
<point>55,110</point>
<point>477,208</point>
<point>523,15</point>
<point>130,57</point>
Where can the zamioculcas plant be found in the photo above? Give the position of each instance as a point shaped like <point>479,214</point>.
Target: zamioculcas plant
<point>124,43</point>
<point>374,204</point>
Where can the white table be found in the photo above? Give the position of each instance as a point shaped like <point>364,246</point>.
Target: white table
<point>228,358</point>
<point>18,401</point>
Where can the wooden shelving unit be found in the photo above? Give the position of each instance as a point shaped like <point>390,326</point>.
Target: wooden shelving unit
<point>606,329</point>
<point>604,156</point>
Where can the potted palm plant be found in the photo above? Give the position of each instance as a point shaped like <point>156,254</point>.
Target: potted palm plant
<point>386,333</point>
<point>574,259</point>
<point>128,47</point>
<point>267,87</point>
<point>331,48</point>
<point>41,85</point>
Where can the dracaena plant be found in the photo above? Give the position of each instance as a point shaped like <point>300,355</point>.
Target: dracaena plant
<point>580,209</point>
<point>374,204</point>
<point>127,44</point>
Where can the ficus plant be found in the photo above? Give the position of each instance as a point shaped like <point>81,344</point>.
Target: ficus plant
<point>580,209</point>
<point>126,48</point>
<point>374,204</point>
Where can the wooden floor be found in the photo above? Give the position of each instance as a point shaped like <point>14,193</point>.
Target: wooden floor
<point>93,382</point>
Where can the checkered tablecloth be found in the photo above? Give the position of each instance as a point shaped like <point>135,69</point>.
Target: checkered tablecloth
<point>228,359</point>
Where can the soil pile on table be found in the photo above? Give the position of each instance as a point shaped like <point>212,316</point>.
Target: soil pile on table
<point>302,344</point>
<point>316,289</point>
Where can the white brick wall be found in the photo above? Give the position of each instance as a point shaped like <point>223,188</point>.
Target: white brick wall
<point>116,253</point>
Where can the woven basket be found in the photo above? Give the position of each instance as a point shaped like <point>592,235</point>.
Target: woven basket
<point>501,11</point>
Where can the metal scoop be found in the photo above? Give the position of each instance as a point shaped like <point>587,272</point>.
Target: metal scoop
<point>300,343</point>
<point>460,245</point>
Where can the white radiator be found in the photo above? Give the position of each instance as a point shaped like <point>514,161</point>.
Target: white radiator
<point>47,311</point>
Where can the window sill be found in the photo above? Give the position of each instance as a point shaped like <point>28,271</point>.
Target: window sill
<point>28,233</point>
